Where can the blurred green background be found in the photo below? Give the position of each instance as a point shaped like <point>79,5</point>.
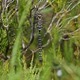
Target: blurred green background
<point>60,40</point>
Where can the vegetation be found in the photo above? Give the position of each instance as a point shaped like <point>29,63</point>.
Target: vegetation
<point>20,53</point>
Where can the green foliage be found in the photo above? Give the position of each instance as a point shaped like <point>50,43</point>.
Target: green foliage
<point>61,23</point>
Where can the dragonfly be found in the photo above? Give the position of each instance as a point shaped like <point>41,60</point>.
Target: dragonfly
<point>36,21</point>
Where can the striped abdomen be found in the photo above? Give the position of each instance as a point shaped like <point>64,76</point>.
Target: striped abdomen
<point>39,27</point>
